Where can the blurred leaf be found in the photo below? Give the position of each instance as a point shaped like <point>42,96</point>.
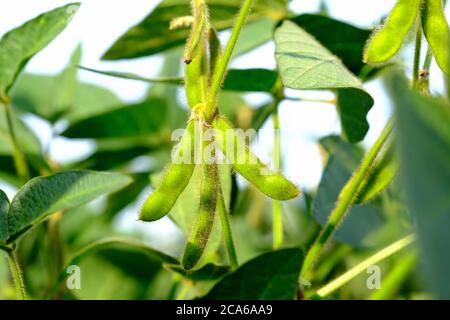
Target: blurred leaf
<point>4,207</point>
<point>119,200</point>
<point>255,34</point>
<point>345,41</point>
<point>360,221</point>
<point>271,276</point>
<point>304,64</point>
<point>90,100</point>
<point>128,255</point>
<point>208,272</point>
<point>26,138</point>
<point>104,160</point>
<point>424,143</point>
<point>136,120</point>
<point>86,99</point>
<point>44,195</point>
<point>152,35</point>
<point>53,96</point>
<point>384,171</point>
<point>19,45</point>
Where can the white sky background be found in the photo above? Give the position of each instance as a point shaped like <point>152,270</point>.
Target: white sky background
<point>99,23</point>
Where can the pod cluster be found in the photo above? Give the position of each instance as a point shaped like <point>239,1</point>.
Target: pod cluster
<point>202,56</point>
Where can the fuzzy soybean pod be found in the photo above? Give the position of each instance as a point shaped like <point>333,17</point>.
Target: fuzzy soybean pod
<point>437,32</point>
<point>199,28</point>
<point>236,149</point>
<point>387,40</point>
<point>175,180</point>
<point>205,218</point>
<point>196,77</point>
<point>215,51</point>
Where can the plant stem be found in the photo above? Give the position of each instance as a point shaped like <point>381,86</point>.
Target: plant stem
<point>19,158</point>
<point>346,199</point>
<point>220,74</point>
<point>393,281</point>
<point>5,247</point>
<point>428,59</point>
<point>227,232</point>
<point>417,50</point>
<point>277,211</point>
<point>17,275</point>
<point>352,273</point>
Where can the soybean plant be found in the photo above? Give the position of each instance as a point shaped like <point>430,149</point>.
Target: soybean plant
<point>205,71</point>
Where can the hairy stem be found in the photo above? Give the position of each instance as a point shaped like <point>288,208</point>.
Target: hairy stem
<point>345,200</point>
<point>19,158</point>
<point>277,211</point>
<point>417,51</point>
<point>352,273</point>
<point>227,232</point>
<point>220,74</point>
<point>17,275</point>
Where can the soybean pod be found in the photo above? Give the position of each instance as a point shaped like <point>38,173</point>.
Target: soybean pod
<point>249,166</point>
<point>215,51</point>
<point>199,28</point>
<point>175,180</point>
<point>196,77</point>
<point>387,40</point>
<point>437,32</point>
<point>205,219</point>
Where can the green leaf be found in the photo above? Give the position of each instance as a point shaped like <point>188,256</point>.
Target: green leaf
<point>4,207</point>
<point>152,35</point>
<point>353,106</point>
<point>424,143</point>
<point>271,276</point>
<point>361,221</point>
<point>18,46</point>
<point>346,41</point>
<point>256,80</point>
<point>45,195</point>
<point>208,272</point>
<point>142,119</point>
<point>304,64</point>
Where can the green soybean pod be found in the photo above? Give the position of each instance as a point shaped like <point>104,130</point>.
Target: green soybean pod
<point>205,219</point>
<point>215,51</point>
<point>199,28</point>
<point>387,40</point>
<point>175,180</point>
<point>437,32</point>
<point>196,77</point>
<point>249,166</point>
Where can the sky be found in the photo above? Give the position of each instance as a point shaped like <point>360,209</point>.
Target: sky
<point>99,23</point>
